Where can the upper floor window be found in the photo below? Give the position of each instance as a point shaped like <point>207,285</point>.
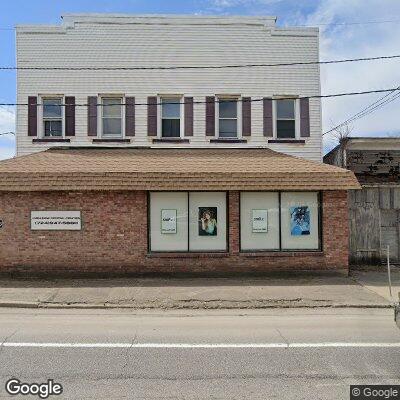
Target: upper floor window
<point>285,118</point>
<point>228,118</point>
<point>111,116</point>
<point>52,117</point>
<point>170,117</point>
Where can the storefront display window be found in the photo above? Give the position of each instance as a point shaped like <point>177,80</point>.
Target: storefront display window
<point>259,220</point>
<point>300,220</point>
<point>279,221</point>
<point>168,221</point>
<point>207,221</point>
<point>190,221</point>
<point>269,221</point>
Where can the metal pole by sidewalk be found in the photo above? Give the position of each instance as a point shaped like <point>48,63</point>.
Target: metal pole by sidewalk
<point>388,269</point>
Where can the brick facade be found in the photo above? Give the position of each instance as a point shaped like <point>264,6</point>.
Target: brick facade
<point>113,239</point>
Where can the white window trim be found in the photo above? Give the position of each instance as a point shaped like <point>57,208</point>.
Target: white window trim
<point>296,117</point>
<point>100,116</point>
<point>40,119</point>
<point>238,115</point>
<point>180,98</point>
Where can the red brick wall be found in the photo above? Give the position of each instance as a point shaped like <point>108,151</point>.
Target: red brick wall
<point>113,239</point>
<point>335,223</point>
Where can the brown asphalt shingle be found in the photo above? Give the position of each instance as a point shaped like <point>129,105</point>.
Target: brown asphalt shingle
<point>169,169</point>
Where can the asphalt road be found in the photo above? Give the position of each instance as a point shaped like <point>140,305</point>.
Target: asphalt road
<point>276,354</point>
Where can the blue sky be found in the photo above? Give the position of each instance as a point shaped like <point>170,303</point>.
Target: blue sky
<point>337,41</point>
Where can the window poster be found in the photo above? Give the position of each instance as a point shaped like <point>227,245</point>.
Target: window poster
<point>168,221</point>
<point>207,221</point>
<point>299,220</point>
<point>259,221</point>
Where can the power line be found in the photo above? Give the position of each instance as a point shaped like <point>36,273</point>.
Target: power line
<point>376,107</point>
<point>7,133</point>
<point>347,60</point>
<point>354,116</point>
<point>216,101</point>
<point>381,102</point>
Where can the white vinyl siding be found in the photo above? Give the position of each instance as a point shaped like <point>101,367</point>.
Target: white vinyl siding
<point>170,41</point>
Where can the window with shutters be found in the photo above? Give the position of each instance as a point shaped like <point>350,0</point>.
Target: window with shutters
<point>52,116</point>
<point>111,116</point>
<point>228,116</point>
<point>285,120</point>
<point>171,117</point>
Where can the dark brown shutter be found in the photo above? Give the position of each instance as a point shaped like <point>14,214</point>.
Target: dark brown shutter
<point>210,116</point>
<point>267,117</point>
<point>32,116</point>
<point>69,116</point>
<point>188,116</point>
<point>92,116</point>
<point>152,116</point>
<point>246,116</point>
<point>304,118</point>
<point>130,116</point>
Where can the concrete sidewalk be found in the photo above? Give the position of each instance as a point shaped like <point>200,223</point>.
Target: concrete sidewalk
<point>193,293</point>
<point>377,282</point>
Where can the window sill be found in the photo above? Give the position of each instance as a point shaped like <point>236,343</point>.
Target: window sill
<point>226,140</point>
<point>111,140</point>
<point>262,253</point>
<point>170,140</point>
<point>298,141</point>
<point>187,255</point>
<point>51,140</point>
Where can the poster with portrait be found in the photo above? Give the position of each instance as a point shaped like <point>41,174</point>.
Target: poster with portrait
<point>208,221</point>
<point>299,220</point>
<point>168,221</point>
<point>259,220</point>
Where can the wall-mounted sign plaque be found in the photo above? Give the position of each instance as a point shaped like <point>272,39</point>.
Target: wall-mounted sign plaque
<point>56,220</point>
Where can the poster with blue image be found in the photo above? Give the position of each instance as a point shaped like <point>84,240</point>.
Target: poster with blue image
<point>299,220</point>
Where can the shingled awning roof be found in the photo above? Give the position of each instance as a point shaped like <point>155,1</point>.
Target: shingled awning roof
<point>169,169</point>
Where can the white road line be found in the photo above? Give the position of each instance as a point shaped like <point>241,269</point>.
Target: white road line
<point>199,345</point>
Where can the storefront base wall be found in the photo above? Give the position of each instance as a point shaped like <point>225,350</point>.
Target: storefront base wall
<point>113,239</point>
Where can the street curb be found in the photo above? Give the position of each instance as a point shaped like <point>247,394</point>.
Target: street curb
<point>40,305</point>
<point>19,304</point>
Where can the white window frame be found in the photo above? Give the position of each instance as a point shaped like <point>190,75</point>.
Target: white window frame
<point>100,116</point>
<point>238,99</point>
<point>179,98</point>
<point>40,119</point>
<point>296,116</point>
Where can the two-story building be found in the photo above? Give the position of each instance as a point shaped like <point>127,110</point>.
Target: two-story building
<point>149,144</point>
